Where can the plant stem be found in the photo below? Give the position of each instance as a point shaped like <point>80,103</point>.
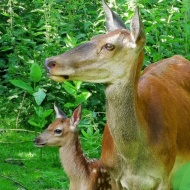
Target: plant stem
<point>20,130</point>
<point>10,10</point>
<point>13,181</point>
<point>17,119</point>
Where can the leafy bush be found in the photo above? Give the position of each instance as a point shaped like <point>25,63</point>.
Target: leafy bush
<point>33,31</point>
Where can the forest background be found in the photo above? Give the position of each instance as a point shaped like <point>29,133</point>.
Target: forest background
<point>31,31</point>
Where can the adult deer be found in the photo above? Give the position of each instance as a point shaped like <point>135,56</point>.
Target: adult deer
<point>148,116</point>
<point>84,174</point>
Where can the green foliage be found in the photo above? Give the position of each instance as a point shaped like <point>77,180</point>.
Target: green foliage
<point>38,120</point>
<point>31,31</point>
<point>73,91</point>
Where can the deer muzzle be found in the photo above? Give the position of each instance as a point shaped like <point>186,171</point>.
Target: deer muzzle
<point>39,142</point>
<point>51,66</point>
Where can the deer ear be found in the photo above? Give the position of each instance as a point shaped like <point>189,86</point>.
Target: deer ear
<point>113,21</point>
<point>59,113</point>
<point>76,116</point>
<point>136,27</point>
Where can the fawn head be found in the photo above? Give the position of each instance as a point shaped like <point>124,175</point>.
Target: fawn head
<point>61,130</point>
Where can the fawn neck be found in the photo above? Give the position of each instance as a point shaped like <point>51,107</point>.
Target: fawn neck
<point>123,112</point>
<point>73,160</point>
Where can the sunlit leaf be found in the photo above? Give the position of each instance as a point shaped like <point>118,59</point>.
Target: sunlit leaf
<point>23,85</point>
<point>85,133</point>
<point>70,88</point>
<point>77,84</point>
<point>35,73</point>
<point>90,130</point>
<point>82,97</point>
<point>47,113</point>
<point>33,123</point>
<point>39,96</point>
<point>69,105</point>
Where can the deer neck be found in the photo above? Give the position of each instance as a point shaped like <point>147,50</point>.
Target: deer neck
<point>73,161</point>
<point>123,111</point>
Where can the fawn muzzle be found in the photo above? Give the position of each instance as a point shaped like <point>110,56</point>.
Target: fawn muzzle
<point>38,142</point>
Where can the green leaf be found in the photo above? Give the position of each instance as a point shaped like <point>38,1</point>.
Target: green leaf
<point>70,88</point>
<point>47,113</point>
<point>82,97</point>
<point>77,84</point>
<point>85,134</point>
<point>39,111</point>
<point>69,105</point>
<point>35,73</point>
<point>33,123</point>
<point>39,96</point>
<point>90,130</point>
<point>23,85</point>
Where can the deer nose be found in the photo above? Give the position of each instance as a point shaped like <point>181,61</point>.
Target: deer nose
<point>49,64</point>
<point>37,140</point>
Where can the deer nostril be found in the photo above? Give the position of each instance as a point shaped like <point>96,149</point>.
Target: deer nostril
<point>37,140</point>
<point>50,64</point>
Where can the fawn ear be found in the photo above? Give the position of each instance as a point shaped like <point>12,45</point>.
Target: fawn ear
<point>137,28</point>
<point>59,113</point>
<point>113,21</point>
<point>76,116</point>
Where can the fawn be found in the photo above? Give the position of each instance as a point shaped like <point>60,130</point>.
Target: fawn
<point>84,173</point>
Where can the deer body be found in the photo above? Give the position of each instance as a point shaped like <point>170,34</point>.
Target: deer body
<point>146,138</point>
<point>162,125</point>
<point>84,174</point>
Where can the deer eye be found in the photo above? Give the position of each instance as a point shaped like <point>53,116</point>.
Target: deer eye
<point>58,131</point>
<point>109,47</point>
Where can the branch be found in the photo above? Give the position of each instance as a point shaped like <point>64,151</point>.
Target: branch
<point>1,142</point>
<point>22,103</point>
<point>20,130</point>
<point>14,161</point>
<point>13,181</point>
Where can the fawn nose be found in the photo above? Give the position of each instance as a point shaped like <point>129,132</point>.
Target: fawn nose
<point>49,64</point>
<point>37,140</point>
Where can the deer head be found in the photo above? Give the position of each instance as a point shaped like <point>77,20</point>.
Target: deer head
<point>61,131</point>
<point>105,58</point>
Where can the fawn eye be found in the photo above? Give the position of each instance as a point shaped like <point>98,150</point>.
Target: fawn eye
<point>58,131</point>
<point>109,46</point>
